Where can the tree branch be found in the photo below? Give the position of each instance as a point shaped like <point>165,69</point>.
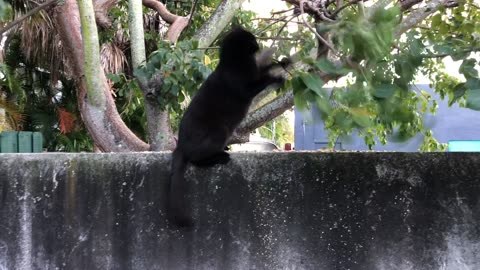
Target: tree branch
<point>177,23</point>
<point>192,11</point>
<point>217,22</point>
<point>162,10</point>
<point>419,15</point>
<point>319,37</point>
<point>407,4</point>
<point>105,125</point>
<point>262,115</point>
<point>26,15</point>
<point>102,7</point>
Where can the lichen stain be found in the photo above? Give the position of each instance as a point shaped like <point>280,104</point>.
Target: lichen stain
<point>71,184</point>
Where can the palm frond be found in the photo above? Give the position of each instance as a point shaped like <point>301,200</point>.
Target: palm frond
<point>113,58</point>
<point>66,120</point>
<point>40,42</point>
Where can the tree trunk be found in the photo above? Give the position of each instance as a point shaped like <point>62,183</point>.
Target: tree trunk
<point>97,108</point>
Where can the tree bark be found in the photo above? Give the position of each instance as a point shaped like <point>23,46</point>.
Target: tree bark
<point>420,14</point>
<point>217,22</point>
<point>137,35</point>
<point>103,122</point>
<point>159,128</point>
<point>262,115</point>
<point>177,23</point>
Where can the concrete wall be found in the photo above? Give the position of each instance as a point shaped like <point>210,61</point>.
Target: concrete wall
<point>321,211</point>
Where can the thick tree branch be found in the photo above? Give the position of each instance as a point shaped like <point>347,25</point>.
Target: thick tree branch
<point>307,9</point>
<point>177,23</point>
<point>26,15</point>
<point>217,22</point>
<point>420,14</point>
<point>104,124</point>
<point>262,115</point>
<point>407,4</point>
<point>162,10</point>
<point>101,12</point>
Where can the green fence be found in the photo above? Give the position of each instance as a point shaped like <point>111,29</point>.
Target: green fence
<point>21,142</point>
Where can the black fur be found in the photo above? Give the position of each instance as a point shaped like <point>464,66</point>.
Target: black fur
<point>217,109</point>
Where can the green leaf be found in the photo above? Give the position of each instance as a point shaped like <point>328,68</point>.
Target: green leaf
<point>458,91</point>
<point>140,73</point>
<point>361,120</point>
<point>297,85</point>
<point>314,83</point>
<point>324,105</point>
<point>444,49</point>
<point>115,78</point>
<point>436,20</point>
<point>384,90</point>
<point>328,67</point>
<point>473,83</point>
<point>473,99</point>
<point>443,29</point>
<point>342,120</point>
<point>467,68</point>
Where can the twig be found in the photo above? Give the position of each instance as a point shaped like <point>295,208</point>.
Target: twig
<point>320,14</point>
<point>280,20</point>
<point>314,31</point>
<point>338,10</point>
<point>28,14</point>
<point>282,11</point>
<point>270,24</point>
<point>450,54</point>
<point>284,25</point>
<point>276,38</point>
<point>192,11</point>
<point>208,48</point>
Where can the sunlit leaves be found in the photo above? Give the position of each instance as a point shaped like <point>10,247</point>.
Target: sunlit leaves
<point>458,92</point>
<point>328,67</point>
<point>183,68</point>
<point>468,68</point>
<point>367,36</point>
<point>379,101</point>
<point>384,90</point>
<point>314,83</point>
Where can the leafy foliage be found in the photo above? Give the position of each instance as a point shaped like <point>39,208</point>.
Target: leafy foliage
<point>32,103</point>
<point>379,99</point>
<point>279,130</point>
<point>455,33</point>
<point>183,68</point>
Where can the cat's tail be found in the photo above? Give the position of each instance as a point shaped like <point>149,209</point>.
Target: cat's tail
<point>177,206</point>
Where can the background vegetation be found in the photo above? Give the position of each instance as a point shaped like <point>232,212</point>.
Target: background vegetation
<point>377,47</point>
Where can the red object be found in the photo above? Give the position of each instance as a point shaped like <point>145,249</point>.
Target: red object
<point>288,147</point>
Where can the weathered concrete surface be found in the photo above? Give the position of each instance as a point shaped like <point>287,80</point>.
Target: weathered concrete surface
<point>321,211</point>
